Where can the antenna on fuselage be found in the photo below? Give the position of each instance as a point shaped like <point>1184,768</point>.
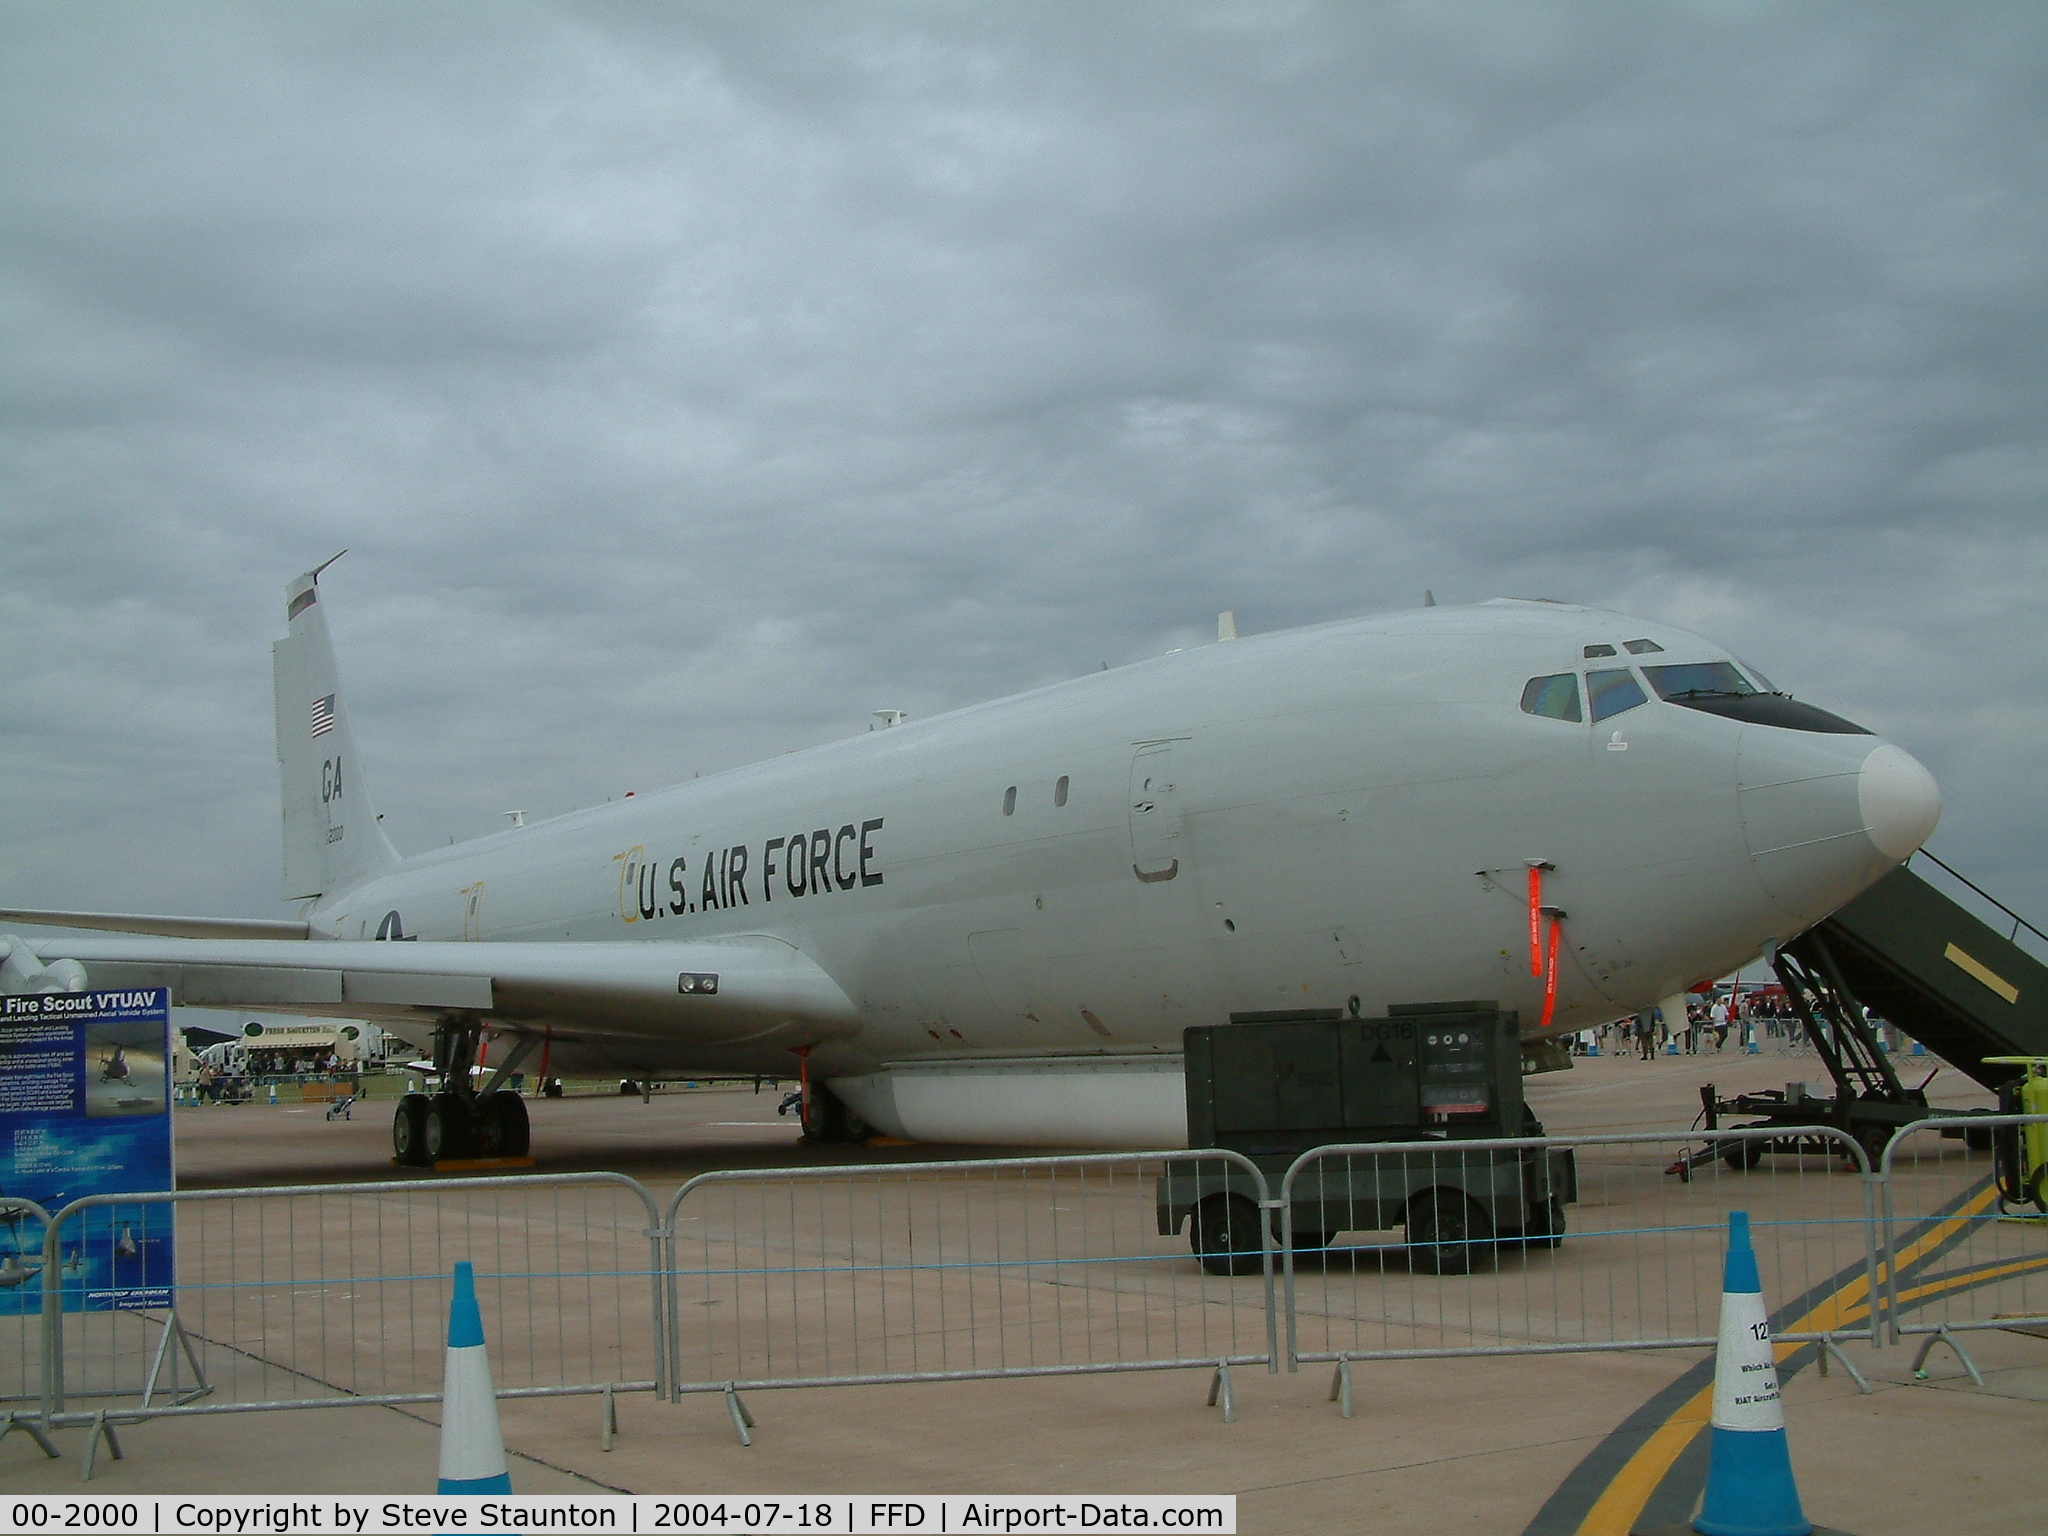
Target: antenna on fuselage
<point>1226,625</point>
<point>1428,598</point>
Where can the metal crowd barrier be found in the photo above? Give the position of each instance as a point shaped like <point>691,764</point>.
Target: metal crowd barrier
<point>950,1271</point>
<point>1609,1252</point>
<point>322,1296</point>
<point>21,1348</point>
<point>1959,1260</point>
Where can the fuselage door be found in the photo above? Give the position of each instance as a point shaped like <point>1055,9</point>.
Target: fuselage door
<point>1156,843</point>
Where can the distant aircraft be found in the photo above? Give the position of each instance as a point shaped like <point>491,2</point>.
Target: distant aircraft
<point>14,1270</point>
<point>993,925</point>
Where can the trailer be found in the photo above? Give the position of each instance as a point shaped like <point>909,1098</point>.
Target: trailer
<point>1973,993</point>
<point>1273,1086</point>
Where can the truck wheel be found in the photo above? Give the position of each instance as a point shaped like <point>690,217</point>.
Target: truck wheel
<point>1226,1235</point>
<point>1546,1225</point>
<point>1311,1242</point>
<point>1741,1156</point>
<point>1446,1232</point>
<point>409,1132</point>
<point>1874,1139</point>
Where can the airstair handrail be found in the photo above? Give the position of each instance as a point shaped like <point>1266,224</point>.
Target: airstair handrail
<point>2018,921</point>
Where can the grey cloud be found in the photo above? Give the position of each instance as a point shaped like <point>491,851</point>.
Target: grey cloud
<point>689,381</point>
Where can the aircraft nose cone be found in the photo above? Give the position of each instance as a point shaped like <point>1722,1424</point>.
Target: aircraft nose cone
<point>1825,816</point>
<point>1899,799</point>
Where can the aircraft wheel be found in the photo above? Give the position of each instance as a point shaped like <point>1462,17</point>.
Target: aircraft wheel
<point>447,1128</point>
<point>409,1132</point>
<point>826,1120</point>
<point>1225,1232</point>
<point>1446,1232</point>
<point>506,1113</point>
<point>486,1131</point>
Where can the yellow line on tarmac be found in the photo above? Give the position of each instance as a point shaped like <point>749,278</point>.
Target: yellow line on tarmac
<point>1615,1512</point>
<point>1974,1277</point>
<point>1940,1233</point>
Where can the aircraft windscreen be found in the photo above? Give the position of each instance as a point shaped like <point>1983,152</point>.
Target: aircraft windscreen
<point>1718,688</point>
<point>1613,691</point>
<point>1698,680</point>
<point>1556,696</point>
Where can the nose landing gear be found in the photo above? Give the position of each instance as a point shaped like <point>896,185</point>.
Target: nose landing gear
<point>458,1122</point>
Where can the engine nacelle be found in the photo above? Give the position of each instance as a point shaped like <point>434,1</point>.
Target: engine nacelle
<point>23,972</point>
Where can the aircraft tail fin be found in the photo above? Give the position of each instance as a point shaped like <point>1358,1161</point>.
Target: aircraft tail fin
<point>332,839</point>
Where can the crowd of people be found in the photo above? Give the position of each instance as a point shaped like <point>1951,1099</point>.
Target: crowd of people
<point>1710,1022</point>
<point>235,1083</point>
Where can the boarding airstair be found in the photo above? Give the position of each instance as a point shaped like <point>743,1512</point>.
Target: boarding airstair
<point>1922,961</point>
<point>1962,988</point>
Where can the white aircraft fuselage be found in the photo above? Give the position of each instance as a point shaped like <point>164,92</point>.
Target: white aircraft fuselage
<point>999,921</point>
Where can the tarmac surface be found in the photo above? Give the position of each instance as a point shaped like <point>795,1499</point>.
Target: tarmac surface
<point>1538,1445</point>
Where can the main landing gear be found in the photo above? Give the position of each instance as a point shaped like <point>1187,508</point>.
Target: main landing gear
<point>459,1122</point>
<point>827,1119</point>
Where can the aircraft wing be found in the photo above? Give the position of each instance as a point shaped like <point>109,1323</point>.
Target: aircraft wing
<point>169,927</point>
<point>704,991</point>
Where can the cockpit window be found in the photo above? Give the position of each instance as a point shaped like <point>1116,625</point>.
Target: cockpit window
<point>1640,647</point>
<point>1698,680</point>
<point>1556,697</point>
<point>1613,691</point>
<point>1598,650</point>
<point>1718,688</point>
<point>1759,679</point>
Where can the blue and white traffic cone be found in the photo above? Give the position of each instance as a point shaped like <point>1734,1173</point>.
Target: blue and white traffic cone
<point>472,1448</point>
<point>1750,1491</point>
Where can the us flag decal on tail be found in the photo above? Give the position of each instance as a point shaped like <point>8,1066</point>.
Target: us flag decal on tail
<point>323,715</point>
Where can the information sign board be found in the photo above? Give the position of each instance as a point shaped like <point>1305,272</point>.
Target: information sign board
<point>85,1109</point>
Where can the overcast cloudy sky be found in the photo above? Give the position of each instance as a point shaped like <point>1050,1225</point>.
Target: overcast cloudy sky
<point>687,381</point>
